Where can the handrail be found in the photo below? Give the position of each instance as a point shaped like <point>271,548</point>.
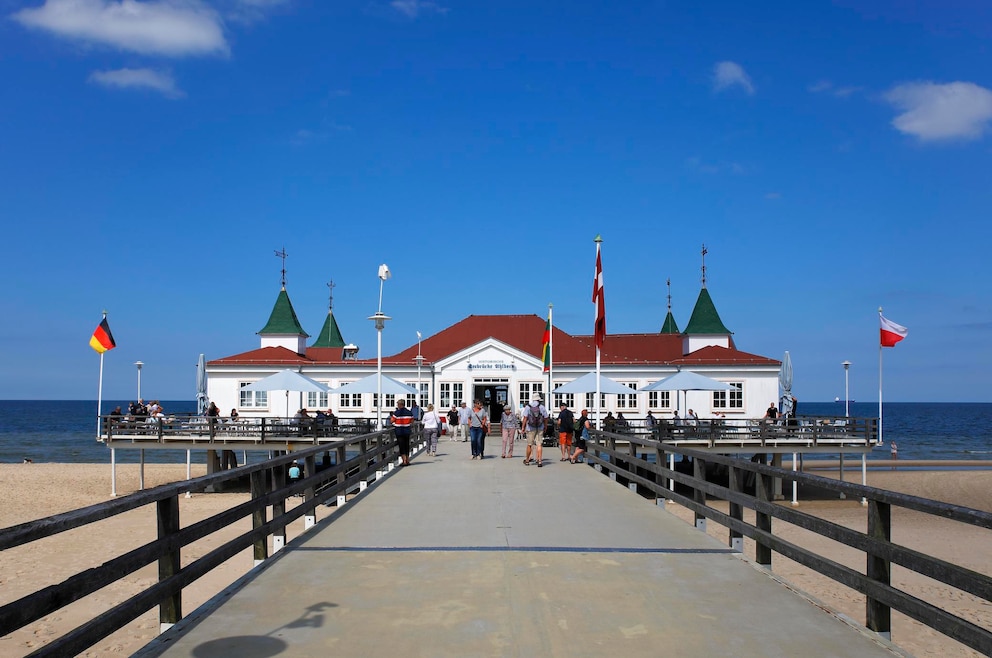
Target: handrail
<point>654,477</point>
<point>374,453</point>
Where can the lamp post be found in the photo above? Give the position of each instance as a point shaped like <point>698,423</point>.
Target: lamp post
<point>380,322</point>
<point>138,365</point>
<point>847,397</point>
<point>420,363</point>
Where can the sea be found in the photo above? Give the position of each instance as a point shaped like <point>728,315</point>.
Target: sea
<point>64,430</point>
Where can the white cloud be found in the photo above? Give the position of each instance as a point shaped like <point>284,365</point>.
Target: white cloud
<point>159,81</point>
<point>171,28</point>
<point>413,8</point>
<point>251,11</point>
<point>827,87</point>
<point>731,74</point>
<point>932,112</point>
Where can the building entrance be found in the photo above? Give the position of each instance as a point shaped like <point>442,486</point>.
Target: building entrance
<point>494,396</point>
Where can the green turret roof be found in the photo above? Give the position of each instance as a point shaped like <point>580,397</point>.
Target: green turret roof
<point>705,319</point>
<point>330,335</point>
<point>283,319</point>
<point>670,327</point>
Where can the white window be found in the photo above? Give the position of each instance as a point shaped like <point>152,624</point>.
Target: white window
<point>388,401</point>
<point>351,400</point>
<point>529,389</point>
<point>252,399</point>
<point>591,401</point>
<point>451,394</point>
<point>660,399</point>
<point>316,400</point>
<point>729,399</point>
<point>627,400</point>
<point>568,399</point>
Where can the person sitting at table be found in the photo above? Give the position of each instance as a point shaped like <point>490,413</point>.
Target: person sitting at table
<point>234,414</point>
<point>772,413</point>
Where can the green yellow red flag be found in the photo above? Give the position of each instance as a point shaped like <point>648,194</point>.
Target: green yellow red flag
<point>546,352</point>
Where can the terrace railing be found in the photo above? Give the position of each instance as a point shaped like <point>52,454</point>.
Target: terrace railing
<point>642,465</point>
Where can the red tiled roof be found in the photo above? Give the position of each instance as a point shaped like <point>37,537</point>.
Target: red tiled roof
<point>525,333</point>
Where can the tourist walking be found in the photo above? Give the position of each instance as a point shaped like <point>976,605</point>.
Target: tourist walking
<point>432,427</point>
<point>566,428</point>
<point>463,417</point>
<point>478,423</point>
<point>401,419</point>
<point>534,418</point>
<point>452,422</point>
<point>509,425</point>
<point>581,437</point>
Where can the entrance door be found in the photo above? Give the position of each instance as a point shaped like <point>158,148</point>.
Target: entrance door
<point>493,397</point>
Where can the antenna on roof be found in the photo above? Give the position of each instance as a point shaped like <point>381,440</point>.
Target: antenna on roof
<point>704,265</point>
<point>282,254</point>
<point>330,296</point>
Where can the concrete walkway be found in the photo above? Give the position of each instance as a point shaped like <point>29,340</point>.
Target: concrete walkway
<point>455,557</point>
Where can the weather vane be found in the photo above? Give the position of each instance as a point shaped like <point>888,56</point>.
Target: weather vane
<point>282,254</point>
<point>668,282</point>
<point>330,296</point>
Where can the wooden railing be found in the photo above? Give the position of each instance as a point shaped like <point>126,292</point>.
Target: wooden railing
<point>358,462</point>
<point>632,466</point>
<point>197,429</point>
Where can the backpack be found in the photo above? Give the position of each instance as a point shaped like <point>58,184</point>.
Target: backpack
<point>535,419</point>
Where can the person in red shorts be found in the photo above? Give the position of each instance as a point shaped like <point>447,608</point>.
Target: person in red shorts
<point>566,427</point>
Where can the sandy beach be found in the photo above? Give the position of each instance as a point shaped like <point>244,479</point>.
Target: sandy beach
<point>30,492</point>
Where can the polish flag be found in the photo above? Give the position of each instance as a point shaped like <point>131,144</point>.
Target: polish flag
<point>599,298</point>
<point>891,332</point>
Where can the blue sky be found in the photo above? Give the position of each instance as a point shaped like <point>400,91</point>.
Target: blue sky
<point>832,157</point>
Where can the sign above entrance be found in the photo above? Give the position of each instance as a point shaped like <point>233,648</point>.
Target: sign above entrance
<point>491,364</point>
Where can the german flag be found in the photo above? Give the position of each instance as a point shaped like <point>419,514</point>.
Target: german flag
<point>102,339</point>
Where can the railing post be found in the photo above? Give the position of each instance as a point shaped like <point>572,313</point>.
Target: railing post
<point>278,507</point>
<point>878,615</point>
<point>736,540</point>
<point>170,610</point>
<point>660,480</point>
<point>258,517</point>
<point>763,520</point>
<point>698,495</point>
<point>310,517</point>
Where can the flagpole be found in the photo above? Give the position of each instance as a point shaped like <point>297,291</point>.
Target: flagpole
<point>599,241</point>
<point>879,382</point>
<point>99,399</point>
<point>551,354</point>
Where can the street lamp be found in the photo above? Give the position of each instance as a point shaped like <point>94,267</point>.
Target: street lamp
<point>420,362</point>
<point>847,397</point>
<point>138,365</point>
<point>380,322</point>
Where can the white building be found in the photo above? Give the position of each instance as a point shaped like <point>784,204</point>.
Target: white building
<point>498,359</point>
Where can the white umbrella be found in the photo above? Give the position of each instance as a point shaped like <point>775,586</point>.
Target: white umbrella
<point>370,385</point>
<point>685,380</point>
<point>287,380</point>
<point>785,381</point>
<point>587,384</point>
<point>201,385</point>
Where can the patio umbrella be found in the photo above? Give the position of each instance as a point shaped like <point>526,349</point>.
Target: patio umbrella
<point>785,381</point>
<point>370,385</point>
<point>287,380</point>
<point>685,380</point>
<point>201,386</point>
<point>587,384</point>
